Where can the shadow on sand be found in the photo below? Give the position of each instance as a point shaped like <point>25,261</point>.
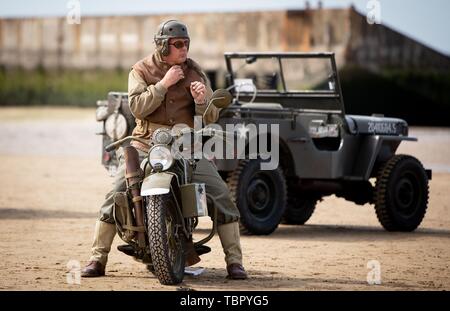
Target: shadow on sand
<point>344,233</point>
<point>16,213</point>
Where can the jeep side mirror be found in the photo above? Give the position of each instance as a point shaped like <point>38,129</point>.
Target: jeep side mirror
<point>221,98</point>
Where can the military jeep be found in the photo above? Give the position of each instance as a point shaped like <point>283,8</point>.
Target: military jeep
<point>321,150</point>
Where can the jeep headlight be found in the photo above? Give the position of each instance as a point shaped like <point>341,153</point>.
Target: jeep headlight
<point>161,155</point>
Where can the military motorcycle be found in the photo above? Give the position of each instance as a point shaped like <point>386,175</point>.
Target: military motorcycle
<point>159,211</point>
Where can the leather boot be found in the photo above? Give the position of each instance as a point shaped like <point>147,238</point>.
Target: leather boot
<point>230,240</point>
<point>93,269</point>
<point>236,272</point>
<point>103,238</point>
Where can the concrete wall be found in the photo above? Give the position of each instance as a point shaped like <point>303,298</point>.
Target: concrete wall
<point>111,42</point>
<point>118,42</point>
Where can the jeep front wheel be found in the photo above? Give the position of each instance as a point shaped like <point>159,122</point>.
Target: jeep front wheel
<point>259,195</point>
<point>298,210</point>
<point>401,194</point>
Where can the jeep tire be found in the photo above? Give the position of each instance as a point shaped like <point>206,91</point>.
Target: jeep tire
<point>401,194</point>
<point>298,210</point>
<point>259,195</point>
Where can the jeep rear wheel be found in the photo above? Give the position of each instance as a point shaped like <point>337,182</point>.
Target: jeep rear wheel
<point>401,194</point>
<point>259,195</point>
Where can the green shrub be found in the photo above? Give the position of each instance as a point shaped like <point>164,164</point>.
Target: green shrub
<point>61,88</point>
<point>421,98</point>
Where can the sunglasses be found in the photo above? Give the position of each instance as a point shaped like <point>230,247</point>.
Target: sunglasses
<point>180,44</point>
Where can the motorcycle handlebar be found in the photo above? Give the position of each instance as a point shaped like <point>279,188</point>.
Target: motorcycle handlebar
<point>111,147</point>
<point>213,132</point>
<point>118,143</point>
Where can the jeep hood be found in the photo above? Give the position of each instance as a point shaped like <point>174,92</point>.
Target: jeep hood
<point>376,125</point>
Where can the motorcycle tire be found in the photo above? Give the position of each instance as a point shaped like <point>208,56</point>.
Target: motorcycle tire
<point>167,242</point>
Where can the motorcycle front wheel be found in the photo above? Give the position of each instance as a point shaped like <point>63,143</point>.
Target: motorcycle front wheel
<point>166,239</point>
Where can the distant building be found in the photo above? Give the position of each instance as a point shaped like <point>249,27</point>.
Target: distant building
<point>381,70</point>
<point>118,42</point>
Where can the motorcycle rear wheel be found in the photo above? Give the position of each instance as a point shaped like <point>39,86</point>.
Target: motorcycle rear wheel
<point>167,241</point>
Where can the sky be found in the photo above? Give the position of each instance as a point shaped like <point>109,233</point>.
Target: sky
<point>426,21</point>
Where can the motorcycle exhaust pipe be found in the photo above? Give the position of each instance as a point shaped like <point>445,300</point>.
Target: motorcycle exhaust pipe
<point>134,177</point>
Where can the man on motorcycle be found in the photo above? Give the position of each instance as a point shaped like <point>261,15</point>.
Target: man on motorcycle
<point>164,89</point>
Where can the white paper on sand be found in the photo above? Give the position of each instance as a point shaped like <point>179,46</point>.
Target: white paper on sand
<point>193,271</point>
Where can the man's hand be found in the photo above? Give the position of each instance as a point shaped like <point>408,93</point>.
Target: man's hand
<point>198,91</point>
<point>173,75</point>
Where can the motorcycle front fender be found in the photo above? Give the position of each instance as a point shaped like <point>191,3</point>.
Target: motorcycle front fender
<point>156,184</point>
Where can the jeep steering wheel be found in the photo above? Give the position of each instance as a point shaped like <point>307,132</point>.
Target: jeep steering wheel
<point>238,88</point>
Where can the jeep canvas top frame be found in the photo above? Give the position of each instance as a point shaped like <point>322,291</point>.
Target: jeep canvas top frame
<point>286,78</point>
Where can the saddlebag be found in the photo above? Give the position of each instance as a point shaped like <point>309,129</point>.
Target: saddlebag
<point>124,218</point>
<point>193,198</point>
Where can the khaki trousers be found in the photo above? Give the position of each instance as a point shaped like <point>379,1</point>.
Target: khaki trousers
<point>206,172</point>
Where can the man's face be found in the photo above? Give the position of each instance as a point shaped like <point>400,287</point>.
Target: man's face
<point>178,50</point>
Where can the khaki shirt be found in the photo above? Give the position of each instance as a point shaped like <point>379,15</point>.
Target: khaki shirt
<point>143,99</point>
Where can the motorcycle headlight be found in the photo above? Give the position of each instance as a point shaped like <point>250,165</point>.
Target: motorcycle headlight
<point>162,136</point>
<point>161,155</point>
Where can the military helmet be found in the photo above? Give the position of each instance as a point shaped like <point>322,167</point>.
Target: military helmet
<point>169,29</point>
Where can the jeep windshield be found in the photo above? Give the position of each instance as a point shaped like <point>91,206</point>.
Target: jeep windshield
<point>284,78</point>
<point>282,72</point>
